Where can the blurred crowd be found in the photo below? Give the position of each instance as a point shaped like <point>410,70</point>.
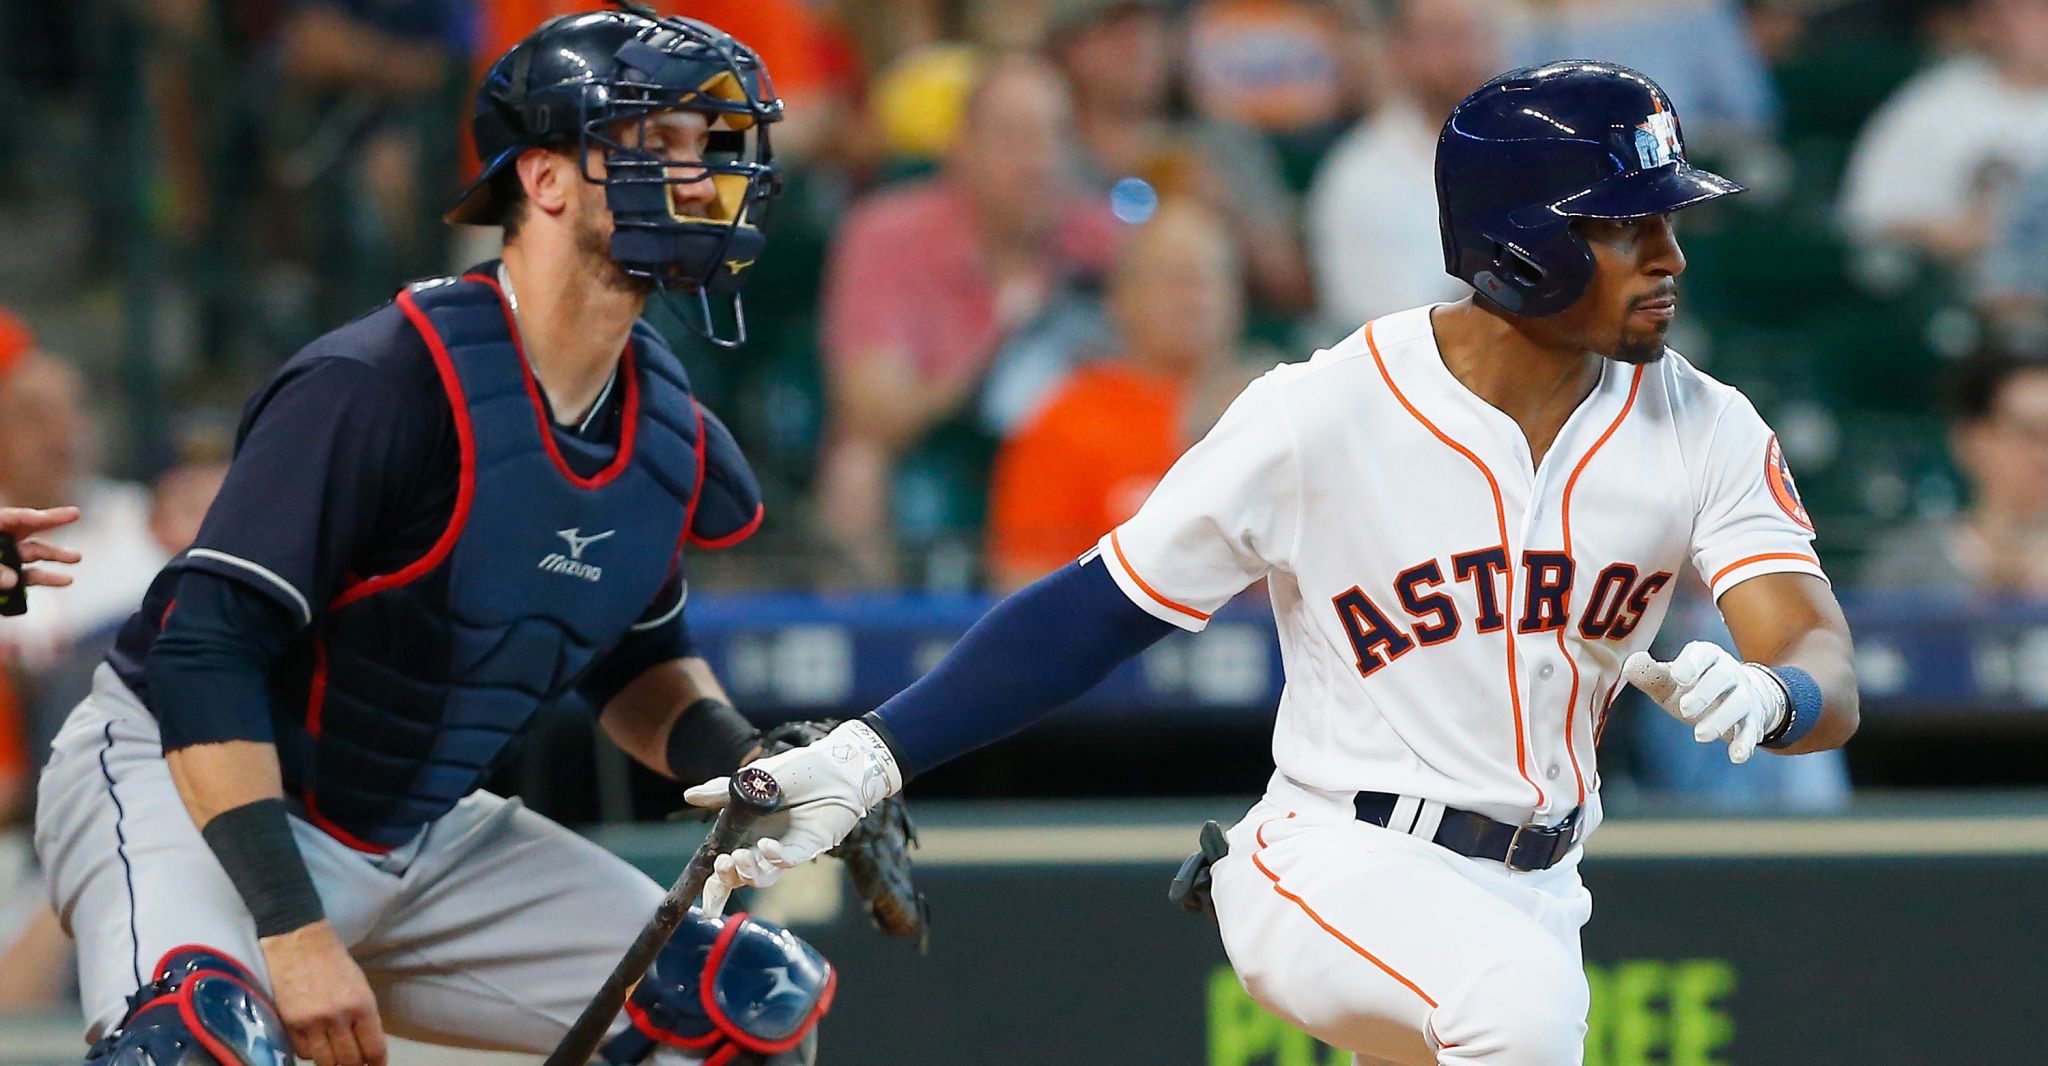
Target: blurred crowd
<point>971,350</point>
<point>1027,251</point>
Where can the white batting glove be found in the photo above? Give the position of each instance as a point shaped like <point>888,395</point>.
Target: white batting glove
<point>827,787</point>
<point>1719,696</point>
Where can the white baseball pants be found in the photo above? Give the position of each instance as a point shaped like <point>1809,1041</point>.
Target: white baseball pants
<point>1398,950</point>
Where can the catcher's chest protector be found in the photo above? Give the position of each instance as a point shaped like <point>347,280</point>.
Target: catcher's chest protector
<point>420,678</point>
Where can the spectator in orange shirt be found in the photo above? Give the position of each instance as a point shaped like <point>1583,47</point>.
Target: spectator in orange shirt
<point>1097,448</point>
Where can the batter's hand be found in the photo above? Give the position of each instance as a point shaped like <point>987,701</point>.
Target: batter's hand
<point>22,523</point>
<point>323,998</point>
<point>1719,696</point>
<point>827,787</point>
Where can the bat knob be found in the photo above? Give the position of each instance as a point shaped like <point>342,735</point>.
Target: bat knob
<point>756,789</point>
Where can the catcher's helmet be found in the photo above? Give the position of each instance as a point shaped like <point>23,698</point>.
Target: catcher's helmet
<point>1539,146</point>
<point>571,83</point>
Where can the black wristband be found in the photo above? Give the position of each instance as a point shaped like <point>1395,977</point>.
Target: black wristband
<point>708,740</point>
<point>874,721</point>
<point>254,845</point>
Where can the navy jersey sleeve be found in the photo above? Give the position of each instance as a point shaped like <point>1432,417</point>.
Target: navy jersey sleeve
<point>329,455</point>
<point>729,507</point>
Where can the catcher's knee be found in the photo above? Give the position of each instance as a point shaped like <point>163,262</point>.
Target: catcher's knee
<point>203,1008</point>
<point>740,990</point>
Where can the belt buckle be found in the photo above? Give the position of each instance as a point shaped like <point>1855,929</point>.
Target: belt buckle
<point>1515,844</point>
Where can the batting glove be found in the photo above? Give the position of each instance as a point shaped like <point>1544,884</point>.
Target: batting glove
<point>827,787</point>
<point>1719,696</point>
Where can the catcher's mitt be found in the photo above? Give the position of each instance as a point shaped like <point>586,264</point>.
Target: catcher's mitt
<point>876,852</point>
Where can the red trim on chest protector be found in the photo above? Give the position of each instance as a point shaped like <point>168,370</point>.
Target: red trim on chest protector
<point>465,493</point>
<point>629,423</point>
<point>734,537</point>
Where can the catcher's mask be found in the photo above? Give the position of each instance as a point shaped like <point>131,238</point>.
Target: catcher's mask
<point>580,82</point>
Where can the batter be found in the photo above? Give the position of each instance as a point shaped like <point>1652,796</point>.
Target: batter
<point>1468,518</point>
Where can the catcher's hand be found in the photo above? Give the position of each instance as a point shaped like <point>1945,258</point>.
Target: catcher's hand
<point>839,788</point>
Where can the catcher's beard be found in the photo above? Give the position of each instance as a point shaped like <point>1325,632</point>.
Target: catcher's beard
<point>593,246</point>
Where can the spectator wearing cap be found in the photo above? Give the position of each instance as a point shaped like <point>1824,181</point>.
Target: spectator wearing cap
<point>1931,168</point>
<point>1372,212</point>
<point>1118,56</point>
<point>1997,546</point>
<point>924,283</point>
<point>1096,449</point>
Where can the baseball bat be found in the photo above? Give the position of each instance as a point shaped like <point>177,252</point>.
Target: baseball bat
<point>753,793</point>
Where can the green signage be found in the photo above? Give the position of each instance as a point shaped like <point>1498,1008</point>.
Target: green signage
<point>1646,1012</point>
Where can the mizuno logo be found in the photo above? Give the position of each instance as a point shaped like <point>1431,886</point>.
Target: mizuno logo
<point>572,564</point>
<point>578,543</point>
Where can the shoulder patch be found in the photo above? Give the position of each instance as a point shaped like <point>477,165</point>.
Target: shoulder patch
<point>1778,475</point>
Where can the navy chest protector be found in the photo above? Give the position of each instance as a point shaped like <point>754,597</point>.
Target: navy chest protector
<point>420,678</point>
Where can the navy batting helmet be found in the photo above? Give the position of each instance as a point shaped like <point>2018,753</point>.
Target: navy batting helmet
<point>1539,146</point>
<point>573,82</point>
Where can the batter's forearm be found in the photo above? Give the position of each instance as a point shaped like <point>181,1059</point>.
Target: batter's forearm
<point>1827,656</point>
<point>1029,656</point>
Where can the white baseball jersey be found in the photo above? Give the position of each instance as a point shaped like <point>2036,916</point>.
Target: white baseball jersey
<point>1452,618</point>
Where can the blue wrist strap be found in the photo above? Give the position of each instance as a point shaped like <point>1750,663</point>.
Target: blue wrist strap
<point>1802,706</point>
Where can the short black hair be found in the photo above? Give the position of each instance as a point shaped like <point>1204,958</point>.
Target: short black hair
<point>1980,379</point>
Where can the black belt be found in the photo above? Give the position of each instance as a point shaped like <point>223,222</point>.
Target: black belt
<point>1521,847</point>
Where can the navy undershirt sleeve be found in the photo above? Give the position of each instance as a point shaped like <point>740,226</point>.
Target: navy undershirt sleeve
<point>1035,651</point>
<point>207,669</point>
<point>667,638</point>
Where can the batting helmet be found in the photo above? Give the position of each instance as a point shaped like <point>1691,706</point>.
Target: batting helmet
<point>1539,146</point>
<point>575,80</point>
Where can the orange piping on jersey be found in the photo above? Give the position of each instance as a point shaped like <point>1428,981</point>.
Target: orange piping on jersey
<point>1117,546</point>
<point>1606,707</point>
<point>1571,708</point>
<point>1740,563</point>
<point>1500,514</point>
<point>1331,929</point>
<point>1259,834</point>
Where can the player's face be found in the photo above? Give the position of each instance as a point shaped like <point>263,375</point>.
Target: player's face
<point>1633,298</point>
<point>680,136</point>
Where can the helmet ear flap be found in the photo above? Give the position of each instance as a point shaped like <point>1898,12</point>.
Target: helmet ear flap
<point>1511,276</point>
<point>1518,266</point>
<point>1539,281</point>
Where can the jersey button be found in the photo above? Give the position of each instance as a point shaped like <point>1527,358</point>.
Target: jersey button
<point>1544,672</point>
<point>1552,772</point>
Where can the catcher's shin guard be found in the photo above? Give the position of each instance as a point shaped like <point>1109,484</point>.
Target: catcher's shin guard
<point>202,1009</point>
<point>739,992</point>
